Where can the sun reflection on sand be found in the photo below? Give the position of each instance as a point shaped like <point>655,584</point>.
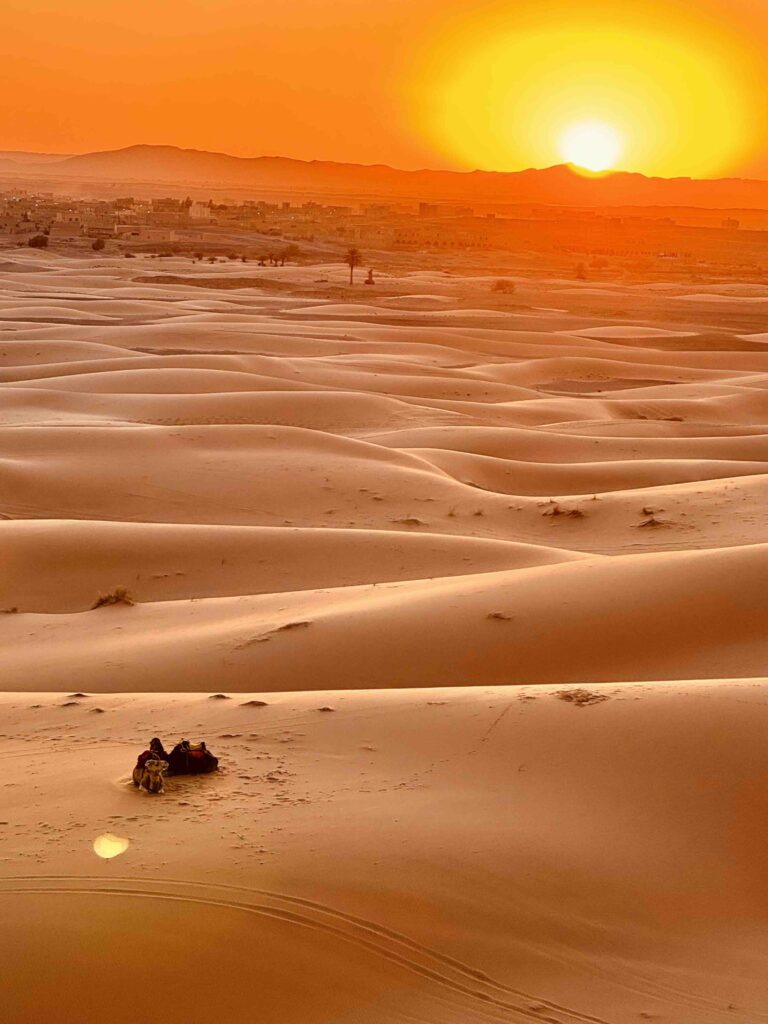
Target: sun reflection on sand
<point>108,845</point>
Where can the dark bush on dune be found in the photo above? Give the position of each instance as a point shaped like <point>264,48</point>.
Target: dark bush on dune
<point>504,287</point>
<point>120,595</point>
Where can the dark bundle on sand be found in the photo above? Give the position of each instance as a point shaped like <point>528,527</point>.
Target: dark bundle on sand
<point>191,759</point>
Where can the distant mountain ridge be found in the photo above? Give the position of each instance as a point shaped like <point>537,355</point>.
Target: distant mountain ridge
<point>559,185</point>
<point>21,157</point>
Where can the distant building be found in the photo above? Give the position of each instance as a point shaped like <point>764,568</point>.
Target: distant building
<point>99,225</point>
<point>144,233</point>
<point>66,229</point>
<point>201,213</point>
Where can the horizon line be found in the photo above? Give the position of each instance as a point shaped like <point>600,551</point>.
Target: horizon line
<point>573,168</point>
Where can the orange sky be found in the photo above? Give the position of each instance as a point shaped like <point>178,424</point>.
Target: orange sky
<point>441,83</point>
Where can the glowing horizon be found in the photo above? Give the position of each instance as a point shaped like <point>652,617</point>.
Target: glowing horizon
<point>680,85</point>
<point>655,102</point>
<point>591,145</point>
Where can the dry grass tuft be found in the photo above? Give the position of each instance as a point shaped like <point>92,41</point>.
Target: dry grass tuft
<point>557,510</point>
<point>120,595</point>
<point>581,698</point>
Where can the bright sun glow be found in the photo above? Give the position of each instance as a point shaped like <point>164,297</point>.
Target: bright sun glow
<point>656,99</point>
<point>592,145</point>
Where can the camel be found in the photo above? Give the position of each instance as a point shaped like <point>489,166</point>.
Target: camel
<point>149,776</point>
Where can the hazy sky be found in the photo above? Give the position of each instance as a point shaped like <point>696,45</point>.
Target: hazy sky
<point>679,86</point>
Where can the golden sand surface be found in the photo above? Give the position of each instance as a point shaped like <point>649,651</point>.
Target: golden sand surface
<point>481,591</point>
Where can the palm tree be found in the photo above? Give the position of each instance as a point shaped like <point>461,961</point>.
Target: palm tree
<point>353,259</point>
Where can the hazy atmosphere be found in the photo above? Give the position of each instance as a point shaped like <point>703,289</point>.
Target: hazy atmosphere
<point>683,84</point>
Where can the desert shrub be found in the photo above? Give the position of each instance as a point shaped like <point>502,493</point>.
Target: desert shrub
<point>130,256</point>
<point>581,697</point>
<point>504,286</point>
<point>120,595</point>
<point>38,242</point>
<point>98,245</point>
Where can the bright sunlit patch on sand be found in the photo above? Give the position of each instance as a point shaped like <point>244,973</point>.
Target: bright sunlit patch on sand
<point>108,846</point>
<point>591,145</point>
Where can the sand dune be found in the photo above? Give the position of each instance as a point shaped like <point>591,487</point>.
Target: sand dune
<point>549,446</point>
<point>506,476</point>
<point>611,619</point>
<point>160,562</point>
<point>335,412</point>
<point>393,529</point>
<point>449,855</point>
<point>630,332</point>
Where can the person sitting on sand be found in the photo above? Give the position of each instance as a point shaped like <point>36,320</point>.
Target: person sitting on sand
<point>156,752</point>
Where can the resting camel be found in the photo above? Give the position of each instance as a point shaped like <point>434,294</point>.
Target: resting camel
<point>149,776</point>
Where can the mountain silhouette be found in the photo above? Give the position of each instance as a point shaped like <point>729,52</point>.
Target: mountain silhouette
<point>560,185</point>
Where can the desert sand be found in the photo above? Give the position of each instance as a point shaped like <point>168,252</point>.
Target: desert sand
<point>469,599</point>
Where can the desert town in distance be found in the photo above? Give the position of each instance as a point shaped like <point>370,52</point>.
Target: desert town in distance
<point>595,244</point>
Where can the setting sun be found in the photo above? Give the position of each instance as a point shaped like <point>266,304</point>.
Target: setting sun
<point>591,145</point>
<point>661,99</point>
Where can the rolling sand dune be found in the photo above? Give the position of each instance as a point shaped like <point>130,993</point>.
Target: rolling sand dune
<point>37,353</point>
<point>567,622</point>
<point>331,411</point>
<point>449,855</point>
<point>163,562</point>
<point>549,447</point>
<point>530,478</point>
<point>481,591</point>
